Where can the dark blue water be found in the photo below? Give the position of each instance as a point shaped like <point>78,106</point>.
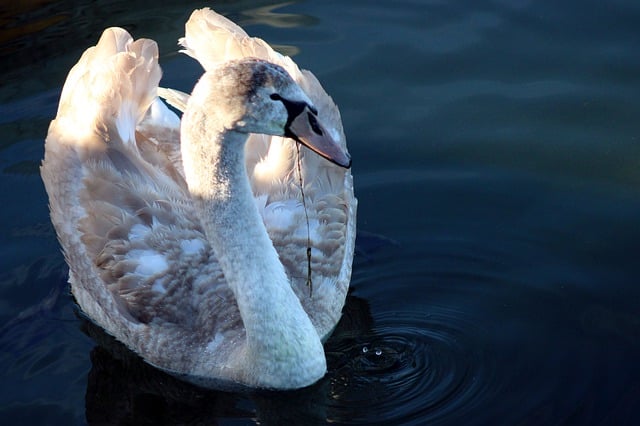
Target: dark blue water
<point>496,151</point>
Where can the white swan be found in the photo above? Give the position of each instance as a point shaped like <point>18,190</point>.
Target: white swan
<point>188,242</point>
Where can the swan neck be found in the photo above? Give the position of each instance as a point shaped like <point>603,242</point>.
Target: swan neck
<point>283,348</point>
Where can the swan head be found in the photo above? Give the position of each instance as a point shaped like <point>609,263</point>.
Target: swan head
<point>261,97</point>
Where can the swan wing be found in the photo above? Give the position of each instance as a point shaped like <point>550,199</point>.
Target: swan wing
<point>326,217</point>
<point>138,256</point>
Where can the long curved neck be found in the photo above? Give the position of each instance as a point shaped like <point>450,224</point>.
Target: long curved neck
<point>283,348</point>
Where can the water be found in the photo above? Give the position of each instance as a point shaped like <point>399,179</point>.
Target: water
<point>496,151</point>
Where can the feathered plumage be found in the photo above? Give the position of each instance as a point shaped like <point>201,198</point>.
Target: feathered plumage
<point>141,259</point>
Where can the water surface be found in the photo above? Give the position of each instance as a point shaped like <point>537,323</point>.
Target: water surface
<point>496,152</point>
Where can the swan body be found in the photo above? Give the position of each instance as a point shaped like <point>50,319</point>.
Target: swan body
<point>187,238</point>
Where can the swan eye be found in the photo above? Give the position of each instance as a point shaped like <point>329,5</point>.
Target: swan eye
<point>313,122</point>
<point>275,97</point>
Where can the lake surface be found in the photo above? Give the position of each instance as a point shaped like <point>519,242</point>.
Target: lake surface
<point>496,157</point>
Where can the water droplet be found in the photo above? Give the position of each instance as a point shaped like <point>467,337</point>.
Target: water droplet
<point>378,352</point>
<point>365,349</point>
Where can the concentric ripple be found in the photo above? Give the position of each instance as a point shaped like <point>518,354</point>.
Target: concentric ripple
<point>412,365</point>
<point>422,356</point>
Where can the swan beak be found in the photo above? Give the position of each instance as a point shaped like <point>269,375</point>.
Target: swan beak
<point>306,129</point>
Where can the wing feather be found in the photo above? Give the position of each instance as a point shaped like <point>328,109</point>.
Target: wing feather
<point>117,198</point>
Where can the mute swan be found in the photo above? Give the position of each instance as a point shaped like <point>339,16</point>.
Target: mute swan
<point>187,241</point>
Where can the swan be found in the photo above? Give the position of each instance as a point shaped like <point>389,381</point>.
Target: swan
<point>218,246</point>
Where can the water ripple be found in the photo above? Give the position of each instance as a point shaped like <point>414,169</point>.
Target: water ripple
<point>413,365</point>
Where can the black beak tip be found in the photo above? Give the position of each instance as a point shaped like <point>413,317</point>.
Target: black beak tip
<point>348,165</point>
<point>345,164</point>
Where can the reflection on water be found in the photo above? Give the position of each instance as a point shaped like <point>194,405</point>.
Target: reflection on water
<point>495,160</point>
